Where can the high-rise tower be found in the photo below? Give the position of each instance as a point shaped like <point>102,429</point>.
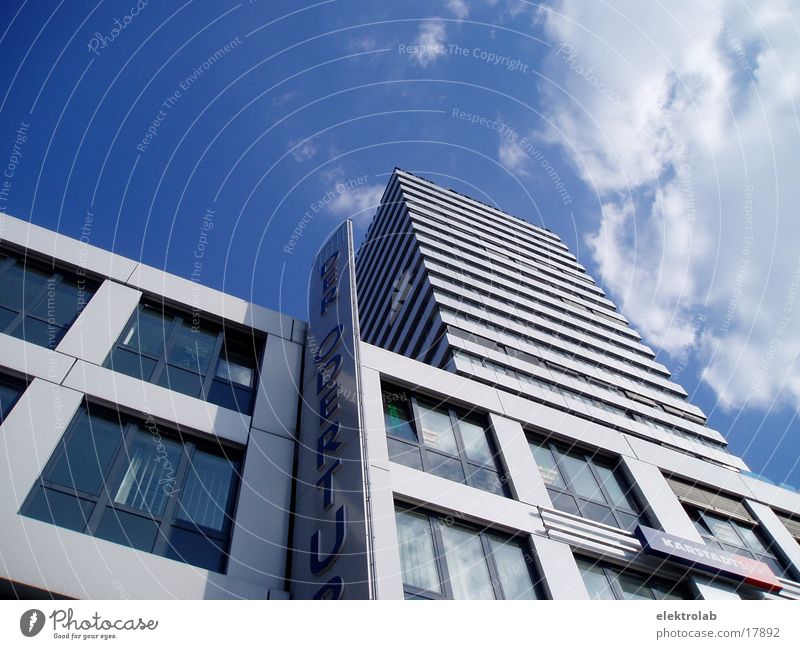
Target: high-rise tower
<point>460,285</point>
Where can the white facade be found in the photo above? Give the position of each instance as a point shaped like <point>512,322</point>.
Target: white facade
<point>63,562</point>
<point>485,316</point>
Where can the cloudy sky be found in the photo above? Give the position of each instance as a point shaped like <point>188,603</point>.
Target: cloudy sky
<point>660,141</point>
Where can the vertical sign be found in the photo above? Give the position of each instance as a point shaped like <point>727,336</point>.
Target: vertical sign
<point>331,555</point>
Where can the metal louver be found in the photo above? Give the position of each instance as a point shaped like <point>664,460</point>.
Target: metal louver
<point>792,524</point>
<point>710,500</point>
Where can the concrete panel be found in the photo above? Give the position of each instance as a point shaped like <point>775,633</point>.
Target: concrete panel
<point>164,405</point>
<point>526,481</point>
<point>260,536</point>
<point>80,566</point>
<point>413,372</point>
<point>388,571</point>
<point>661,504</point>
<point>32,360</point>
<point>474,504</point>
<point>764,492</point>
<point>559,570</point>
<point>101,322</point>
<point>47,409</point>
<point>71,251</point>
<point>278,397</point>
<point>196,296</point>
<point>691,468</point>
<point>708,588</point>
<point>774,529</point>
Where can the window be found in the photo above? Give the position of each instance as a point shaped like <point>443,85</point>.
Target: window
<point>10,390</point>
<point>442,559</point>
<point>132,483</point>
<point>735,536</point>
<point>604,581</point>
<point>725,523</point>
<point>200,359</point>
<point>587,485</point>
<point>38,304</point>
<point>440,440</point>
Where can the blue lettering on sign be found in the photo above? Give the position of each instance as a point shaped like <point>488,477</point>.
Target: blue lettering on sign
<point>328,363</point>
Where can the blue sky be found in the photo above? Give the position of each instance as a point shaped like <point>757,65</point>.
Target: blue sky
<point>659,143</point>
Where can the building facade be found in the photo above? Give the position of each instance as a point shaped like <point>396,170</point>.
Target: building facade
<point>476,420</point>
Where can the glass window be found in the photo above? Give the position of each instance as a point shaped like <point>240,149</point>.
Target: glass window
<point>451,444</point>
<point>149,474</point>
<point>417,556</point>
<point>476,445</point>
<point>37,303</point>
<point>396,416</point>
<point>10,390</point>
<point>739,538</point>
<point>512,568</point>
<point>585,484</point>
<point>604,581</point>
<point>190,357</point>
<point>131,483</point>
<point>466,564</point>
<point>444,560</point>
<point>437,429</point>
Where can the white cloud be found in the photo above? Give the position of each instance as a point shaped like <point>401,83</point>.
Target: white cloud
<point>511,155</point>
<point>430,43</point>
<point>305,150</point>
<point>354,201</point>
<point>683,119</point>
<point>459,8</point>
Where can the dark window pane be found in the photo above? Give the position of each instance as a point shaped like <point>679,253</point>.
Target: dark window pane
<point>204,499</point>
<point>60,509</point>
<point>476,443</point>
<point>181,381</point>
<point>627,521</point>
<point>598,513</point>
<point>444,467</point>
<point>127,529</point>
<point>466,564</point>
<point>20,284</point>
<point>563,502</point>
<point>132,364</point>
<point>750,536</point>
<point>396,417</point>
<point>616,489</point>
<point>88,449</point>
<point>150,475</point>
<point>417,556</point>
<point>547,465</point>
<point>38,333</point>
<point>405,454</point>
<point>10,389</point>
<point>192,348</point>
<point>512,568</point>
<point>580,477</point>
<point>146,332</point>
<point>231,396</point>
<point>723,530</point>
<point>62,303</point>
<point>485,479</point>
<point>437,431</point>
<point>633,587</point>
<point>237,362</point>
<point>6,316</point>
<point>196,549</point>
<point>595,579</point>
